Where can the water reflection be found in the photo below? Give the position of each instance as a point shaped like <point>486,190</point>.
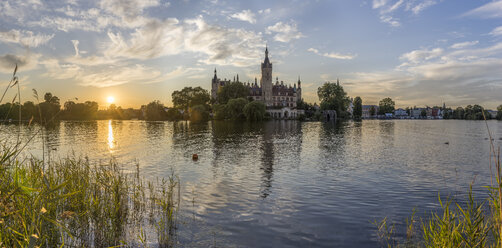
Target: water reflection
<point>111,140</point>
<point>267,160</point>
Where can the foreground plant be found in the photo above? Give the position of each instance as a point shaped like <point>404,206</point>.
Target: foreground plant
<point>73,203</point>
<point>473,225</point>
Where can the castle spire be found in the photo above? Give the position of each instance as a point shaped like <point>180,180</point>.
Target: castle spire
<point>266,63</point>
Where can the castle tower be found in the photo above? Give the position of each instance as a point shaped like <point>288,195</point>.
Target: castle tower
<point>266,80</point>
<point>299,90</point>
<point>214,85</point>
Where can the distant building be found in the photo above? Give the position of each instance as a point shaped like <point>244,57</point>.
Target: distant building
<point>493,113</point>
<point>279,98</point>
<point>366,111</point>
<point>400,113</point>
<point>416,113</point>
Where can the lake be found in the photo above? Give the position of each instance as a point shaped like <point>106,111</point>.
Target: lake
<point>288,183</point>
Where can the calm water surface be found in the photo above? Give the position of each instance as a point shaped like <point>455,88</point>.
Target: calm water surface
<point>288,183</point>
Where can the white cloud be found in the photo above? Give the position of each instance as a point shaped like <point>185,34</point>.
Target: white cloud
<point>379,3</point>
<point>264,11</point>
<point>388,9</point>
<point>430,76</point>
<point>390,20</point>
<point>464,44</point>
<point>422,6</point>
<point>285,32</point>
<point>25,38</point>
<point>490,10</point>
<point>245,15</point>
<point>75,45</point>
<point>418,56</point>
<point>496,31</point>
<point>121,75</point>
<point>332,55</point>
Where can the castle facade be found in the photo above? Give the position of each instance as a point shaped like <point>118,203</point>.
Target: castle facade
<point>279,98</point>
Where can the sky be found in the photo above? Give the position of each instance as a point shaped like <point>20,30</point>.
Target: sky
<point>419,53</point>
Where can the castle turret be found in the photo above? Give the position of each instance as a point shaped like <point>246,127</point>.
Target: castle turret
<point>214,85</point>
<point>266,79</point>
<point>299,90</point>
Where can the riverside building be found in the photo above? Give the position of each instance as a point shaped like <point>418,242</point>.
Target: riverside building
<point>279,98</point>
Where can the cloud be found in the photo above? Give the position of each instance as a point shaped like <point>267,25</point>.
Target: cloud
<point>25,38</point>
<point>490,10</point>
<point>114,76</point>
<point>388,9</point>
<point>421,6</point>
<point>245,15</point>
<point>332,55</point>
<point>418,56</point>
<point>496,31</point>
<point>128,10</point>
<point>430,76</point>
<point>464,44</point>
<point>75,45</point>
<point>285,32</point>
<point>25,63</point>
<point>390,20</point>
<point>264,11</point>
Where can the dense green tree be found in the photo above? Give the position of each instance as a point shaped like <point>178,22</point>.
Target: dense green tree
<point>50,108</point>
<point>80,111</point>
<point>423,113</point>
<point>154,111</point>
<point>232,90</point>
<point>219,111</point>
<point>358,108</point>
<point>234,109</point>
<point>386,105</point>
<point>333,97</point>
<point>174,114</point>
<point>199,113</point>
<point>372,111</point>
<point>255,111</point>
<point>189,97</point>
<point>499,112</point>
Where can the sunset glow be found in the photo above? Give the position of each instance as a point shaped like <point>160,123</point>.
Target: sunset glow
<point>110,99</point>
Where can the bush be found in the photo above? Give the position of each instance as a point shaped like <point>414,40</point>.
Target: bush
<point>255,111</point>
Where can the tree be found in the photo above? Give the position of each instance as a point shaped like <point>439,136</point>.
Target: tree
<point>50,107</point>
<point>234,108</point>
<point>333,97</point>
<point>199,113</point>
<point>189,97</point>
<point>499,112</point>
<point>174,114</point>
<point>154,111</point>
<point>372,111</point>
<point>232,90</point>
<point>255,111</point>
<point>423,113</point>
<point>358,107</point>
<point>386,105</point>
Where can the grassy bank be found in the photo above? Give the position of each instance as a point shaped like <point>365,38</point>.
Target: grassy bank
<point>473,224</point>
<point>74,203</point>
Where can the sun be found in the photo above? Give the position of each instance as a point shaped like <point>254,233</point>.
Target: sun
<point>110,99</point>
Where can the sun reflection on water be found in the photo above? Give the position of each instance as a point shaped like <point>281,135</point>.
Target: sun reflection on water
<point>111,140</point>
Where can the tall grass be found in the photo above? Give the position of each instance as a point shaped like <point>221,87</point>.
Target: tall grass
<point>475,224</point>
<point>72,202</point>
<point>75,203</point>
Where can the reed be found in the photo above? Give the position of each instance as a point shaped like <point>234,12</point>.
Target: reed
<point>477,224</point>
<point>72,202</point>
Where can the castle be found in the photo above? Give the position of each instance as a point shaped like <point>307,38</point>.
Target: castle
<point>280,99</point>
